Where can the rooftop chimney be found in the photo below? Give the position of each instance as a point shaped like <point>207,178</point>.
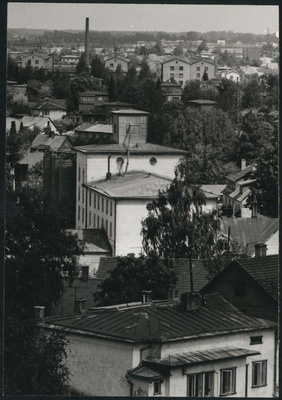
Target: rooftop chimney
<point>255,207</point>
<point>260,250</point>
<point>87,42</point>
<point>108,174</point>
<point>243,163</point>
<point>39,313</point>
<point>79,306</point>
<point>147,296</point>
<point>84,273</point>
<point>191,301</point>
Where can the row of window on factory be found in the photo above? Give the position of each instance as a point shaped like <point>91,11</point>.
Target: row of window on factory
<point>97,222</point>
<point>99,202</point>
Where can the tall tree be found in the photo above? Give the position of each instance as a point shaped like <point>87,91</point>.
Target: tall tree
<point>145,71</point>
<point>97,67</point>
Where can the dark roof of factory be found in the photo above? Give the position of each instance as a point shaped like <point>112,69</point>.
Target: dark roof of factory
<point>106,265</point>
<point>147,148</point>
<point>159,321</point>
<point>236,176</point>
<point>182,270</point>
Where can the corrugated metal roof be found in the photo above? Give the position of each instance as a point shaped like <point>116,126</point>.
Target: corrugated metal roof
<point>99,128</point>
<point>244,195</point>
<point>249,231</point>
<point>29,121</point>
<point>147,148</point>
<point>96,240</point>
<point>160,322</point>
<point>54,143</point>
<point>203,356</point>
<point>135,184</point>
<point>131,112</point>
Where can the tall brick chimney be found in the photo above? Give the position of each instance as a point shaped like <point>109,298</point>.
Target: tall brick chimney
<point>87,42</point>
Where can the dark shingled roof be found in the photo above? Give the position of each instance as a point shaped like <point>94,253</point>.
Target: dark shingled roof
<point>48,105</point>
<point>264,270</point>
<point>182,269</point>
<point>160,321</point>
<point>236,176</point>
<point>147,148</point>
<point>249,231</point>
<point>106,264</point>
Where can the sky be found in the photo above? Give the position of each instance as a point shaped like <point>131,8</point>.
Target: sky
<point>144,17</point>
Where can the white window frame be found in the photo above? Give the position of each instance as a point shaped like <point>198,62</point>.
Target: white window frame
<point>262,379</point>
<point>201,377</point>
<point>158,388</point>
<point>232,384</point>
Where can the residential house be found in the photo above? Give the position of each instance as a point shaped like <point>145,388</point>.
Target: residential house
<point>114,61</point>
<point>37,60</point>
<point>250,284</point>
<point>237,191</point>
<point>91,98</point>
<point>231,74</point>
<point>171,91</point>
<point>50,109</point>
<point>202,105</point>
<point>201,346</point>
<point>40,123</point>
<point>183,70</point>
<point>213,196</point>
<point>70,59</point>
<point>246,233</point>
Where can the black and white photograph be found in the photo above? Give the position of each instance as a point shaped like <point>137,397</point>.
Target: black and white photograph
<point>142,203</point>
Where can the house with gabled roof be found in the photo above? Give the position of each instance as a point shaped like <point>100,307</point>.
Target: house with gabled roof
<point>91,98</point>
<point>50,109</point>
<point>251,284</point>
<point>39,123</point>
<point>247,232</point>
<point>201,346</point>
<point>114,60</point>
<point>237,191</point>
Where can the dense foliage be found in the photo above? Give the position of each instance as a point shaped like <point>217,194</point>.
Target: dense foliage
<point>134,274</point>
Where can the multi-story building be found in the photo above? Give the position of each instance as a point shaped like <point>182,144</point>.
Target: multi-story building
<point>131,152</point>
<point>37,60</point>
<point>91,98</point>
<point>202,346</point>
<point>47,108</point>
<point>183,70</point>
<point>114,61</point>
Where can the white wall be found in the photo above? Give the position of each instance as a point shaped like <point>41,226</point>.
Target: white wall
<point>176,64</point>
<point>202,65</point>
<point>53,114</point>
<point>116,62</point>
<point>273,244</point>
<point>128,225</point>
<point>98,367</point>
<point>266,349</point>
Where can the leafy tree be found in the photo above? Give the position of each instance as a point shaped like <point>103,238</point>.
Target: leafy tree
<point>145,71</point>
<point>228,96</point>
<point>252,94</point>
<point>60,85</point>
<point>177,228</point>
<point>134,274</point>
<point>205,76</point>
<point>97,67</point>
<point>112,89</point>
<point>81,66</point>
<point>80,83</point>
<point>178,51</point>
<point>265,187</point>
<point>33,89</point>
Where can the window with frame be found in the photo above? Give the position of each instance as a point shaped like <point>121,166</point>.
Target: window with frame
<point>198,75</point>
<point>111,65</point>
<point>200,385</point>
<point>79,174</point>
<point>98,202</point>
<point>90,197</point>
<point>180,68</point>
<point>78,213</point>
<point>172,68</point>
<point>181,82</point>
<point>102,222</point>
<point>172,75</point>
<point>256,340</point>
<point>78,193</point>
<point>180,75</point>
<point>111,208</point>
<point>111,229</point>
<point>94,200</point>
<point>83,195</point>
<point>98,222</point>
<point>106,226</point>
<point>227,381</point>
<point>157,387</point>
<point>259,373</point>
<point>90,218</point>
<point>107,206</point>
<point>198,68</point>
<point>82,215</point>
<point>102,204</point>
<point>83,175</point>
<point>94,220</point>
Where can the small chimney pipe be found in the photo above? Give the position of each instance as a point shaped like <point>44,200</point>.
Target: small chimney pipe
<point>108,174</point>
<point>79,306</point>
<point>146,296</point>
<point>260,250</point>
<point>243,163</point>
<point>87,42</point>
<point>255,207</point>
